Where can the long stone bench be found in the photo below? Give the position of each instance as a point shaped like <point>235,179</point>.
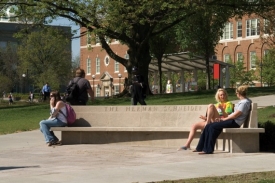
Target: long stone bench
<point>162,126</point>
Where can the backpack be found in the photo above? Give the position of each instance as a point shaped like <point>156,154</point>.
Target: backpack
<point>71,116</point>
<point>72,91</point>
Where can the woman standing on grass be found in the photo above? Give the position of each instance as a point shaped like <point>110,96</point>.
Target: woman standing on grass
<point>221,109</point>
<point>57,119</point>
<point>235,120</point>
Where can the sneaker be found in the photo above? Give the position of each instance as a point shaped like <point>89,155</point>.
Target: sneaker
<point>54,143</point>
<point>58,142</point>
<point>183,148</point>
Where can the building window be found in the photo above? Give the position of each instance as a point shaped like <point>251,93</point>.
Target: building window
<point>228,31</point>
<point>253,27</point>
<point>97,40</point>
<point>126,56</point>
<point>116,89</point>
<point>88,66</point>
<point>3,44</point>
<point>266,52</point>
<point>252,60</point>
<point>240,57</point>
<point>107,39</point>
<point>107,60</point>
<point>97,65</point>
<point>239,29</point>
<point>226,58</point>
<point>266,25</point>
<point>97,92</point>
<point>116,66</point>
<point>89,38</point>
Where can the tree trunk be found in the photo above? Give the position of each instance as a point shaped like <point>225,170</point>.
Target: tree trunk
<point>140,58</point>
<point>208,72</point>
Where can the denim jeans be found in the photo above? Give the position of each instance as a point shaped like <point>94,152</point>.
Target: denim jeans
<point>45,126</point>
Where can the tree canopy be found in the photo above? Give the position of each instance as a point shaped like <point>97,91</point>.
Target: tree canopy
<point>133,22</point>
<point>46,56</point>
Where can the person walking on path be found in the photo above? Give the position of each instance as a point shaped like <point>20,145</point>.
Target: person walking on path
<point>10,99</point>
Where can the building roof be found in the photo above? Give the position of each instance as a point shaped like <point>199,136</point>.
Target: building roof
<point>183,61</point>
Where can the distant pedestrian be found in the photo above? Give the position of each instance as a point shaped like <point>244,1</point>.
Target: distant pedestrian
<point>138,88</point>
<point>10,99</point>
<point>31,97</point>
<point>46,90</point>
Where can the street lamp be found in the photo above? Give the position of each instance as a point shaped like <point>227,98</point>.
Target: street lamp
<point>93,76</point>
<point>119,77</point>
<point>261,66</point>
<point>223,71</point>
<point>23,84</point>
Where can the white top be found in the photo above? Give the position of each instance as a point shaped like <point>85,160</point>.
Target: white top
<point>243,106</point>
<point>62,117</point>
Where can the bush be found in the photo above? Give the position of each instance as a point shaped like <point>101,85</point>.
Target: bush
<point>267,139</point>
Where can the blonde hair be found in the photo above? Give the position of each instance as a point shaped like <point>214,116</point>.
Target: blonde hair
<point>217,94</point>
<point>242,90</point>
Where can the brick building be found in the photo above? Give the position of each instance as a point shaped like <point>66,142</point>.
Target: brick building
<point>105,74</point>
<point>240,41</point>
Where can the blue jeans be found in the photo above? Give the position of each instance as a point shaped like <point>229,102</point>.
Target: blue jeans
<point>45,126</point>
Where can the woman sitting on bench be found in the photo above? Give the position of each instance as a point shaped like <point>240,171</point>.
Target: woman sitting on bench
<point>219,110</point>
<point>235,120</point>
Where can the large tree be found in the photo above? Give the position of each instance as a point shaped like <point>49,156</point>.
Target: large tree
<point>132,22</point>
<point>45,54</point>
<point>239,75</point>
<point>266,68</point>
<point>8,61</point>
<point>162,44</point>
<point>200,34</point>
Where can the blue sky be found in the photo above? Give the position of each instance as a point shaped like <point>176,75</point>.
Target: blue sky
<point>75,42</point>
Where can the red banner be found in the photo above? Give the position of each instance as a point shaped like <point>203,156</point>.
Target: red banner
<point>216,71</point>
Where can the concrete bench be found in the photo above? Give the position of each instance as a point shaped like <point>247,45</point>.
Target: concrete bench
<point>162,126</point>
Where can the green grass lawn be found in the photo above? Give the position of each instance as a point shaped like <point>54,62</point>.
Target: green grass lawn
<point>22,118</point>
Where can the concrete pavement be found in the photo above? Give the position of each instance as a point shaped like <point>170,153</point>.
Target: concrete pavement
<point>24,158</point>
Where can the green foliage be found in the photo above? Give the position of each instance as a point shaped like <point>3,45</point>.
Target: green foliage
<point>8,70</point>
<point>26,118</point>
<point>240,76</point>
<point>132,22</point>
<point>5,84</point>
<point>46,55</point>
<point>267,67</point>
<point>161,44</point>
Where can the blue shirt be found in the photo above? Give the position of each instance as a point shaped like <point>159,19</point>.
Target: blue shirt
<point>46,88</point>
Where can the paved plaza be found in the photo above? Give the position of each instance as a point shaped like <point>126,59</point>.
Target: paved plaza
<point>25,158</point>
